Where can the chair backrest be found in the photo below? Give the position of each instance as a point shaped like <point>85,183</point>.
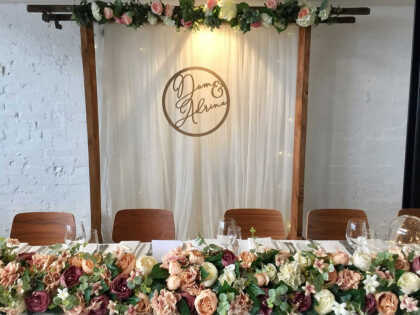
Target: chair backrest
<point>267,222</point>
<point>143,225</point>
<point>331,224</point>
<point>41,228</point>
<point>410,211</point>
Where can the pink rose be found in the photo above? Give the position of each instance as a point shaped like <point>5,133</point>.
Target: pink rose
<point>415,266</point>
<point>157,7</point>
<point>108,13</point>
<point>348,279</point>
<point>304,12</point>
<point>169,10</point>
<point>186,24</point>
<point>118,20</point>
<point>211,4</point>
<point>271,4</point>
<point>256,24</point>
<point>126,19</point>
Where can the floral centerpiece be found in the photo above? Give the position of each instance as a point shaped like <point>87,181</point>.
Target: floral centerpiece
<point>208,281</point>
<point>274,13</point>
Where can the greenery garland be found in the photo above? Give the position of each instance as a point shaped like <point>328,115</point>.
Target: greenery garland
<point>275,13</point>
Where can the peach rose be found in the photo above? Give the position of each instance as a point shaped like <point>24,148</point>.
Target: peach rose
<point>340,258</point>
<point>127,262</point>
<point>281,258</point>
<point>262,279</point>
<point>241,304</point>
<point>9,274</point>
<point>387,303</point>
<point>348,279</point>
<point>211,4</point>
<point>87,266</point>
<point>247,258</point>
<point>173,282</point>
<point>196,257</point>
<point>42,262</point>
<point>143,305</point>
<point>206,302</point>
<point>402,264</point>
<point>76,261</point>
<point>169,10</point>
<point>51,280</point>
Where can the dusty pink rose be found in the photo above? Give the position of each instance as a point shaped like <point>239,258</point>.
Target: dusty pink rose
<point>281,258</point>
<point>157,7</point>
<point>271,4</point>
<point>174,268</point>
<point>206,302</point>
<point>188,280</point>
<point>38,301</point>
<point>256,24</point>
<point>241,304</point>
<point>164,303</point>
<point>186,24</point>
<point>108,13</point>
<point>211,4</point>
<point>415,266</point>
<point>26,257</point>
<point>173,282</point>
<point>387,303</point>
<point>340,258</point>
<point>409,303</point>
<point>126,19</point>
<point>262,279</point>
<point>196,257</point>
<point>169,10</point>
<point>402,264</point>
<point>99,305</point>
<point>348,279</point>
<point>176,254</point>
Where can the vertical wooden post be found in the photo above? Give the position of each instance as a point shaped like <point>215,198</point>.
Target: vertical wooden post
<point>301,111</point>
<point>92,121</point>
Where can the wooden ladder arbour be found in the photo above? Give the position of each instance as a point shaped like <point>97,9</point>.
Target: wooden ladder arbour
<point>58,13</point>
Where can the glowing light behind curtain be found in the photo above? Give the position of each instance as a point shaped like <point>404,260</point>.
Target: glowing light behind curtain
<point>247,162</point>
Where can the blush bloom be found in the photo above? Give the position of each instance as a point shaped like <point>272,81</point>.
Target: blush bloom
<point>271,4</point>
<point>126,19</point>
<point>415,266</point>
<point>211,4</point>
<point>157,7</point>
<point>108,13</point>
<point>169,10</point>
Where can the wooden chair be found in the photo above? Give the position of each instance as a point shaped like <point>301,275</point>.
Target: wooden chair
<point>415,212</point>
<point>267,223</point>
<point>41,228</point>
<point>331,224</point>
<point>143,225</point>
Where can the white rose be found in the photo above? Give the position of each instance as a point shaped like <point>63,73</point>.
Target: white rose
<point>362,260</point>
<point>409,282</point>
<point>266,20</point>
<point>228,10</point>
<point>325,301</point>
<point>145,264</point>
<point>271,271</point>
<point>302,260</point>
<point>168,21</point>
<point>212,274</point>
<point>228,275</point>
<point>96,12</point>
<point>151,18</point>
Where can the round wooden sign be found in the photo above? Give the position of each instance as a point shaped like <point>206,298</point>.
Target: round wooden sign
<point>196,101</point>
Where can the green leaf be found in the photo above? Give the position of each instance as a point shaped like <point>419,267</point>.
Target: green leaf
<point>254,290</point>
<point>203,273</point>
<point>183,308</point>
<point>159,273</point>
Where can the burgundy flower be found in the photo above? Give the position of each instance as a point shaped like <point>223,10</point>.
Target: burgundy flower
<point>264,309</point>
<point>99,305</point>
<point>228,258</point>
<point>71,276</point>
<point>38,301</point>
<point>302,301</point>
<point>120,289</point>
<point>416,265</point>
<point>26,257</point>
<point>370,304</point>
<point>190,299</point>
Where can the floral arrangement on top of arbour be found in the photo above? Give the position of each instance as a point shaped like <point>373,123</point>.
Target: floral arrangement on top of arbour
<point>275,13</point>
<point>208,281</point>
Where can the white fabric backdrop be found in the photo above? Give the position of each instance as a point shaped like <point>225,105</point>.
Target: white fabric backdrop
<point>247,162</point>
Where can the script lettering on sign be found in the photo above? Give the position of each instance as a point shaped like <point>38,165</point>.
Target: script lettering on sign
<point>196,101</point>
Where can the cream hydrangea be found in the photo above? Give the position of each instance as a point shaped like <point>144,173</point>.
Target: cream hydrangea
<point>145,264</point>
<point>229,275</point>
<point>271,271</point>
<point>362,260</point>
<point>228,10</point>
<point>409,282</point>
<point>291,274</point>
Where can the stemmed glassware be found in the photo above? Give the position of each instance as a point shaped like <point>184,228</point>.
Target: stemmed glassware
<point>72,234</point>
<point>357,233</point>
<point>228,233</point>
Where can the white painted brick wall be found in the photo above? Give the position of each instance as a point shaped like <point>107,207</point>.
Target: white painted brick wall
<point>357,117</point>
<point>43,144</point>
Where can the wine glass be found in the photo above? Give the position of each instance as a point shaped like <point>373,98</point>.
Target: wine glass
<point>69,234</point>
<point>357,233</point>
<point>226,232</point>
<point>81,233</point>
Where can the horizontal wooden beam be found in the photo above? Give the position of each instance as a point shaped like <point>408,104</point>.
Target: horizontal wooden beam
<point>340,20</point>
<point>350,11</point>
